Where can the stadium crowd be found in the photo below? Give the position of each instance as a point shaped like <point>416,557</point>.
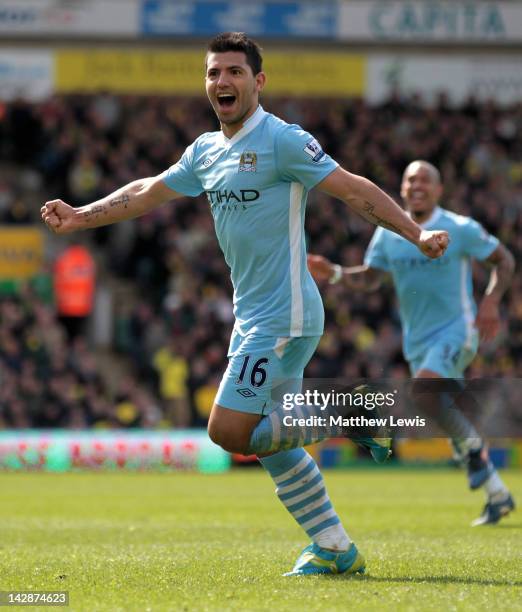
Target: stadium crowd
<point>177,329</point>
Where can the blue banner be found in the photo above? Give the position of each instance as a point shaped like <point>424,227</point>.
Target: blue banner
<point>271,19</point>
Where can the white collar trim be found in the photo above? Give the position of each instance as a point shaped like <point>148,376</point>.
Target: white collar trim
<point>250,124</point>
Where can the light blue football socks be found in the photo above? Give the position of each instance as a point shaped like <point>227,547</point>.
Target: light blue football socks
<point>301,489</point>
<point>279,431</point>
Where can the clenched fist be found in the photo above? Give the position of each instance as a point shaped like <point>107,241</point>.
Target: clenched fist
<point>433,243</point>
<point>58,216</point>
<point>320,267</point>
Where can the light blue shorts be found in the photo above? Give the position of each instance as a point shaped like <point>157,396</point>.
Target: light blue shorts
<point>447,356</point>
<point>256,363</point>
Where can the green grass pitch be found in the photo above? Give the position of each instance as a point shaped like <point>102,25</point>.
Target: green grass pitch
<point>139,541</point>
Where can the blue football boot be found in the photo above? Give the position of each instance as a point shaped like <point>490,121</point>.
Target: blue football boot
<point>317,560</point>
<point>379,447</point>
<point>494,511</point>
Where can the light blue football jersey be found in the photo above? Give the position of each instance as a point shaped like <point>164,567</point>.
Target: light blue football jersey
<point>434,294</point>
<point>257,184</point>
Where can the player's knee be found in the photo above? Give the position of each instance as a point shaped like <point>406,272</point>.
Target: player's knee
<point>229,440</point>
<point>231,429</point>
<point>214,433</point>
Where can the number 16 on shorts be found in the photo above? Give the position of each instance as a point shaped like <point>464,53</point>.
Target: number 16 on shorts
<point>256,375</point>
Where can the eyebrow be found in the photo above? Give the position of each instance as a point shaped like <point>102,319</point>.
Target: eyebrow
<point>226,68</point>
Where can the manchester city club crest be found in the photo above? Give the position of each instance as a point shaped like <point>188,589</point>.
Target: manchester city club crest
<point>248,161</point>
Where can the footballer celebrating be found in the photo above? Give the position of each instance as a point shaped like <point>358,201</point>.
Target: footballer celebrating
<point>256,173</point>
<point>440,321</point>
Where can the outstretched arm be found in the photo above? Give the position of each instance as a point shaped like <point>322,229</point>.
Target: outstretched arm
<point>488,316</point>
<point>360,278</point>
<point>365,198</point>
<point>132,200</point>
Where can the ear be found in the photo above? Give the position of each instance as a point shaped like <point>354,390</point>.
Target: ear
<point>403,189</point>
<point>260,80</point>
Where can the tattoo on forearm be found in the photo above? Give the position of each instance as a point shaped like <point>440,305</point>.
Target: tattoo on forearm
<point>123,199</point>
<point>99,209</point>
<point>369,210</point>
<point>95,211</point>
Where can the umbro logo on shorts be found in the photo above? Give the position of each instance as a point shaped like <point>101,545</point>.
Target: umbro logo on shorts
<point>246,392</point>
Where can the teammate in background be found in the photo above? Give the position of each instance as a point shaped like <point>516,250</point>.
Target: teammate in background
<point>441,326</point>
<point>256,173</point>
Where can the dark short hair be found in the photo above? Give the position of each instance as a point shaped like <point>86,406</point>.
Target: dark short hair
<point>238,41</point>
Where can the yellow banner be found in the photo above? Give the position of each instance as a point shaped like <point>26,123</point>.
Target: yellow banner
<point>21,252</point>
<point>315,74</point>
<point>296,73</point>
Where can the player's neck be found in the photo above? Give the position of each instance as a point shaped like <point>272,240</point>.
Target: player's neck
<point>421,217</point>
<point>231,129</point>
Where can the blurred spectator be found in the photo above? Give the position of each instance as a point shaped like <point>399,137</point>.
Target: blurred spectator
<point>173,371</point>
<point>84,179</point>
<point>74,286</point>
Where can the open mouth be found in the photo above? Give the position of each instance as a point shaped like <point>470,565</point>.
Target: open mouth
<point>226,100</point>
<point>418,195</point>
